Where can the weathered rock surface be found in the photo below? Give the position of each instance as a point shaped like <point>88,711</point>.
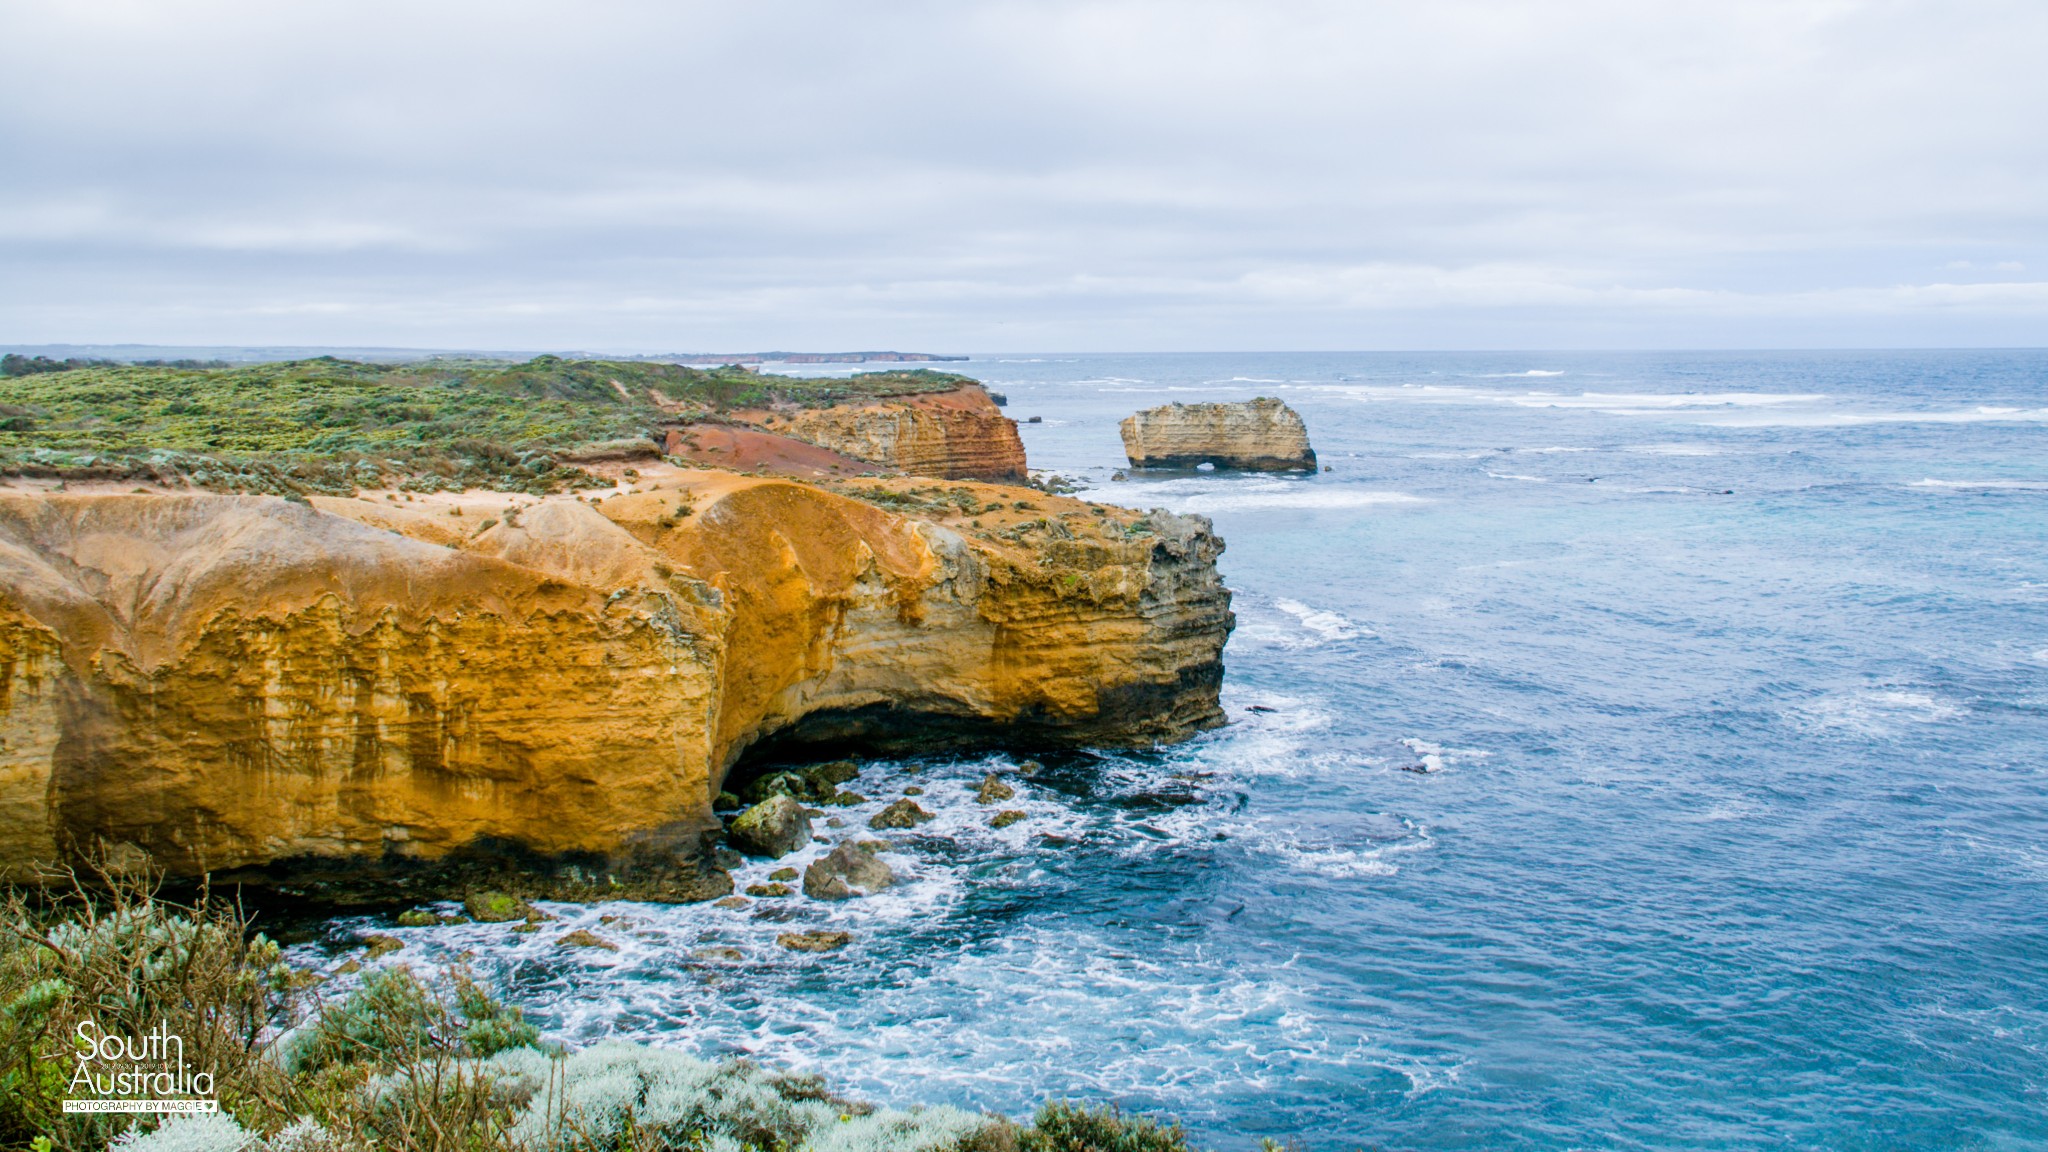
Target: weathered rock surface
<point>584,938</point>
<point>814,941</point>
<point>848,870</point>
<point>389,699</point>
<point>776,826</point>
<point>901,814</point>
<point>497,908</point>
<point>957,435</point>
<point>1262,435</point>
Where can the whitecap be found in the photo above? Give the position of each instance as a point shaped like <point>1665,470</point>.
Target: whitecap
<point>1839,418</point>
<point>1517,476</point>
<point>1875,712</point>
<point>1310,499</point>
<point>1436,757</point>
<point>1673,450</point>
<point>1326,624</point>
<point>2010,485</point>
<point>1638,403</point>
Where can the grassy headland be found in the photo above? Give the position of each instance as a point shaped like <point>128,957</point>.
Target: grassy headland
<point>333,426</point>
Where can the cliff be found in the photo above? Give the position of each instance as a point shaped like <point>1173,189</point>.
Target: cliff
<point>958,434</point>
<point>1262,435</point>
<point>364,693</point>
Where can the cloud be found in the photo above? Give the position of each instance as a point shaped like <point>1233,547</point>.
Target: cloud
<point>1049,174</point>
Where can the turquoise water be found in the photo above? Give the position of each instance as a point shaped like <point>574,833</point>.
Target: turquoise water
<point>1731,676</point>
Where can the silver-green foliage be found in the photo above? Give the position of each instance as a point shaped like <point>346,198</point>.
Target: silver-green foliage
<point>601,1092</point>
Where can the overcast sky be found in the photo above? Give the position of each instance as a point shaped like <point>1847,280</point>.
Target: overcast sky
<point>967,175</point>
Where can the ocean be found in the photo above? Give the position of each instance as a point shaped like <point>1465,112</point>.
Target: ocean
<point>1626,751</point>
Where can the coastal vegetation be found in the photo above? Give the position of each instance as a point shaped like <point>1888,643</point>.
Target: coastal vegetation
<point>332,426</point>
<point>401,1062</point>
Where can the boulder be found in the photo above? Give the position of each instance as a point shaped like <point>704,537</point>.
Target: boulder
<point>381,945</point>
<point>848,870</point>
<point>776,784</point>
<point>901,814</point>
<point>496,908</point>
<point>1005,818</point>
<point>776,826</point>
<point>992,790</point>
<point>825,777</point>
<point>581,938</point>
<point>814,941</point>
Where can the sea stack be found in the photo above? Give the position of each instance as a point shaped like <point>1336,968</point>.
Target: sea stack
<point>1262,435</point>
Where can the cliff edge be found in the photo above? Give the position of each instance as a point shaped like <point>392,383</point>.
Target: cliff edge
<point>388,690</point>
<point>1262,435</point>
<point>955,435</point>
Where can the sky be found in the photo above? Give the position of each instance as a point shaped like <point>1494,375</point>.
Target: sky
<point>1077,176</point>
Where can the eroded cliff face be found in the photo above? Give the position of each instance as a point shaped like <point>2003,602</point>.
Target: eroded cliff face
<point>391,691</point>
<point>954,435</point>
<point>1262,435</point>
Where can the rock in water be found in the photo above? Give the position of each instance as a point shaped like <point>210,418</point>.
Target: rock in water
<point>993,789</point>
<point>582,938</point>
<point>380,945</point>
<point>1005,818</point>
<point>848,870</point>
<point>901,814</point>
<point>776,826</point>
<point>1262,435</point>
<point>777,784</point>
<point>814,941</point>
<point>823,778</point>
<point>496,907</point>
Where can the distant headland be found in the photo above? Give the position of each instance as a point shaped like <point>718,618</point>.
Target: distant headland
<point>196,355</point>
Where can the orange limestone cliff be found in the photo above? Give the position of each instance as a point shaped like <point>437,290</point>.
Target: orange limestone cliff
<point>959,434</point>
<point>362,693</point>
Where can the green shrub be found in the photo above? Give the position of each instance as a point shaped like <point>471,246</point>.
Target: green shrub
<point>1064,1127</point>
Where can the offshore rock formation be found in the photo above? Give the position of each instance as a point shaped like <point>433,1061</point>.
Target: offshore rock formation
<point>955,435</point>
<point>360,694</point>
<point>1262,435</point>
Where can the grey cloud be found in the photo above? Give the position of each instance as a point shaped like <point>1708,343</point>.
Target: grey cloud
<point>1178,174</point>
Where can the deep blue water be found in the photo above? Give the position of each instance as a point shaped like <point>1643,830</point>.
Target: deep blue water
<point>1733,671</point>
